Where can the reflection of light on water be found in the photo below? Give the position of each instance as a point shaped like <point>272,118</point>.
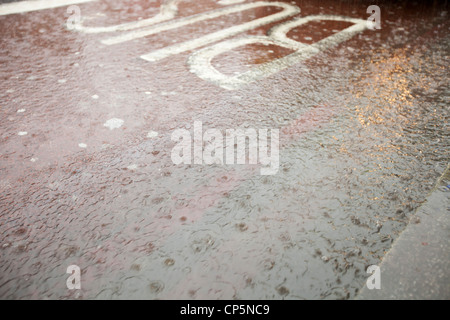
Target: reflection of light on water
<point>386,108</point>
<point>397,108</point>
<point>388,91</point>
<point>390,105</point>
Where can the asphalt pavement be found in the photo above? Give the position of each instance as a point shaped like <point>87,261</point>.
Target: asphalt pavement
<point>114,156</point>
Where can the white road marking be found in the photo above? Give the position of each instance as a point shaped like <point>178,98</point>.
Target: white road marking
<point>228,2</point>
<point>28,6</point>
<point>168,11</point>
<point>289,10</point>
<point>200,61</point>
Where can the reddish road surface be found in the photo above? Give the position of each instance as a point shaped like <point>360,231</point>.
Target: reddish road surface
<point>89,99</point>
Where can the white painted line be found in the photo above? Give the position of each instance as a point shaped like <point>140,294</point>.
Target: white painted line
<point>200,61</point>
<point>28,6</point>
<point>168,11</point>
<point>289,10</point>
<point>229,2</point>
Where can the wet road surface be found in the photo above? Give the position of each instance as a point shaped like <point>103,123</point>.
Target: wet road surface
<point>86,176</point>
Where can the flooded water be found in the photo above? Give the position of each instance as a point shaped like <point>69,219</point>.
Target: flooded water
<point>86,176</point>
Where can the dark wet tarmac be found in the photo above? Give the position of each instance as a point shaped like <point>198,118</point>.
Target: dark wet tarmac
<point>364,130</point>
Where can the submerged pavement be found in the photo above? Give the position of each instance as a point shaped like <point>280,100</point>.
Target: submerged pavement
<point>91,95</point>
<point>417,265</point>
